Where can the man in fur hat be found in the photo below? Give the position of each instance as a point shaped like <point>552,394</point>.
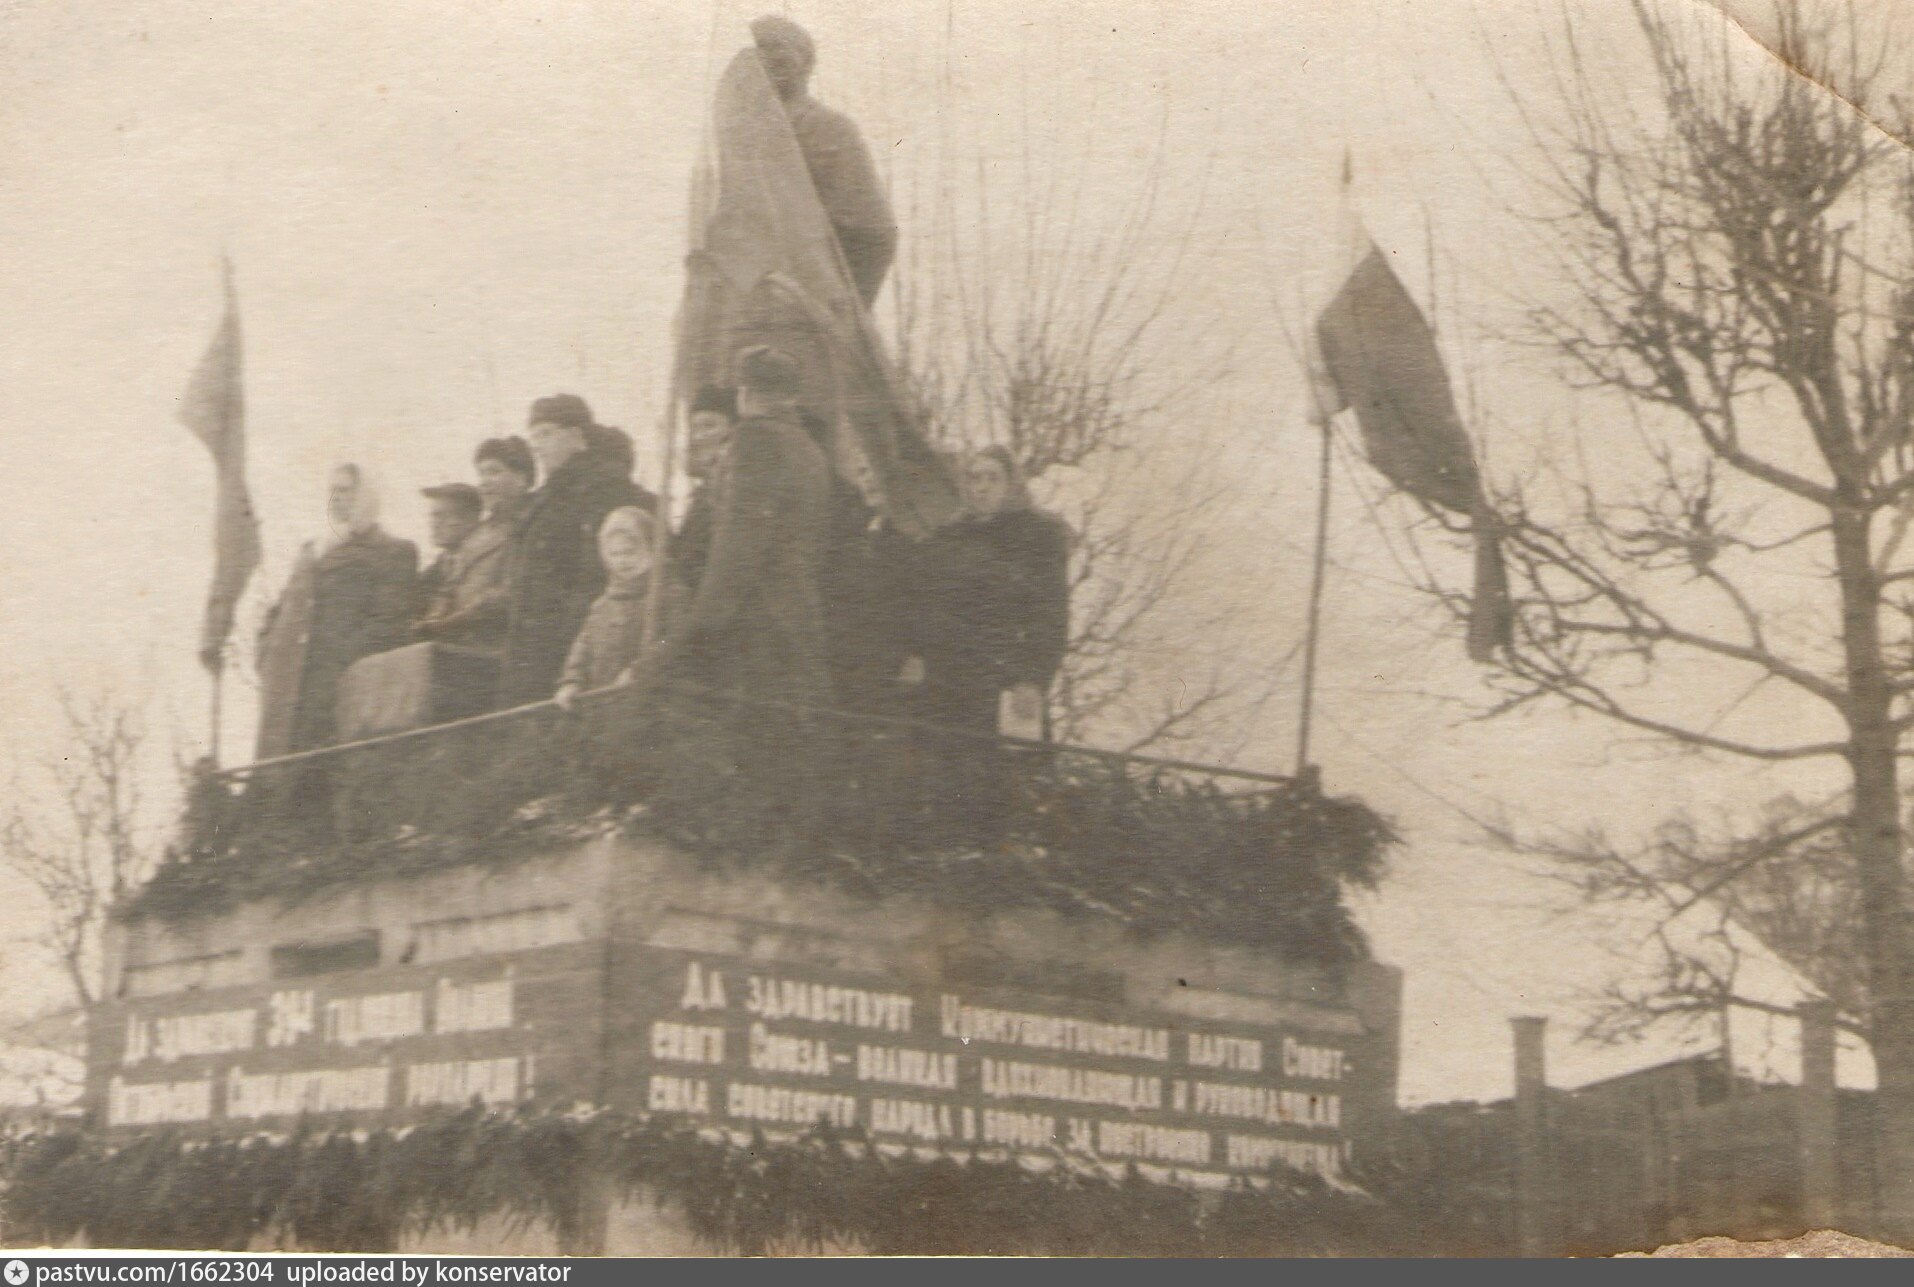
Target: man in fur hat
<point>556,573</point>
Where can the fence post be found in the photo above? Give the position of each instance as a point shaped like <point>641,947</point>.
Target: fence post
<point>1815,1116</point>
<point>1535,1213</point>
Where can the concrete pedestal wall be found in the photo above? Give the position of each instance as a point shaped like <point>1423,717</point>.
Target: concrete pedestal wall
<point>616,889</point>
<point>598,945</point>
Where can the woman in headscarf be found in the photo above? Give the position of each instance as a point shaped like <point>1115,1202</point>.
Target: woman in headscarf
<point>351,594</point>
<point>988,638</point>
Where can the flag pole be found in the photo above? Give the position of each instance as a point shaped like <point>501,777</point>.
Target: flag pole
<point>1322,418</point>
<point>217,664</point>
<point>1313,627</point>
<point>219,685</point>
<point>661,530</point>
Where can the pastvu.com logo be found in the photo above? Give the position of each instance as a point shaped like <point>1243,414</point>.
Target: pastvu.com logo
<point>17,1273</point>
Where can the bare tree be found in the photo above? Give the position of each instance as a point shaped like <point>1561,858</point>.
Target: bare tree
<point>74,835</point>
<point>1736,264</point>
<point>1724,896</point>
<point>1029,319</point>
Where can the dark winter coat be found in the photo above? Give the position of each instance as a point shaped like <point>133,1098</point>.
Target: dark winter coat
<point>348,602</point>
<point>467,603</point>
<point>555,572</point>
<point>859,607</point>
<point>691,543</point>
<point>863,601</point>
<point>756,624</point>
<point>994,601</point>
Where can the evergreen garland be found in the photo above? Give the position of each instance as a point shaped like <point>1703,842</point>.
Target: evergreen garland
<point>1155,852</point>
<point>360,1191</point>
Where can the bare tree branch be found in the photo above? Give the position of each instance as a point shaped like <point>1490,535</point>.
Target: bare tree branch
<point>73,835</point>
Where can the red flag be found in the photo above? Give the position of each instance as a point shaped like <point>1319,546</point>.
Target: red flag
<point>766,268</point>
<point>1376,354</point>
<point>214,408</point>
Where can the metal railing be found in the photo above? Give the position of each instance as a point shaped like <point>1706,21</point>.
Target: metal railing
<point>868,799</point>
<point>836,714</point>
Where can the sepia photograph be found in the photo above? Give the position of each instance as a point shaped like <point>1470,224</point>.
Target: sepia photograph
<point>787,628</point>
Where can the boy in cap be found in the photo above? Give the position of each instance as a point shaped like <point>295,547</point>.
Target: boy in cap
<point>475,616</point>
<point>454,515</point>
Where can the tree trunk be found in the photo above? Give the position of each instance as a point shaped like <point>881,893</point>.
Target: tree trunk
<point>1875,839</point>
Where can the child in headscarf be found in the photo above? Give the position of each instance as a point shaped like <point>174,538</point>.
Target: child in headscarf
<point>614,631</point>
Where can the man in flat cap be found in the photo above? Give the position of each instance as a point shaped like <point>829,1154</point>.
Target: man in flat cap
<point>555,572</point>
<point>755,627</point>
<point>834,152</point>
<point>456,509</point>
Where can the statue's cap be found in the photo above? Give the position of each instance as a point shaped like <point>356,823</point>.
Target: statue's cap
<point>776,29</point>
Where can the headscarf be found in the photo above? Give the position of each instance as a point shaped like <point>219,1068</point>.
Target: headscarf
<point>1016,489</point>
<point>365,507</point>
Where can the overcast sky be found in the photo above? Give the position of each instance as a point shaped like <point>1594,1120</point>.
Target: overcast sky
<point>440,209</point>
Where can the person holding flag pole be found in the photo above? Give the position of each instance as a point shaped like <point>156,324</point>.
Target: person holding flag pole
<point>214,409</point>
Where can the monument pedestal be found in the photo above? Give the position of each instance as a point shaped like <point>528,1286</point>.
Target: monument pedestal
<point>615,972</point>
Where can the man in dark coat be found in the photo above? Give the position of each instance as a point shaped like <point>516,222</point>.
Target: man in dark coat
<point>857,632</point>
<point>754,632</point>
<point>834,152</point>
<point>555,569</point>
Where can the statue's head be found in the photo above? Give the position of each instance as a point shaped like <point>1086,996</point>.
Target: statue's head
<point>788,53</point>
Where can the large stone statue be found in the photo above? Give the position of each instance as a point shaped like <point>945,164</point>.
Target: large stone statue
<point>791,236</point>
<point>834,151</point>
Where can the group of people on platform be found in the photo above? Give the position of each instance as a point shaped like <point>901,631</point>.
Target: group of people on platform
<point>783,587</point>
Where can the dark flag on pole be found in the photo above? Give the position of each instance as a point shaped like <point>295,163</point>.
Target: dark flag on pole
<point>214,408</point>
<point>1376,354</point>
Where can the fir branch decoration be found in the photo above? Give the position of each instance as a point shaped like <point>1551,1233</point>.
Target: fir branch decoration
<point>1156,851</point>
<point>363,1191</point>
